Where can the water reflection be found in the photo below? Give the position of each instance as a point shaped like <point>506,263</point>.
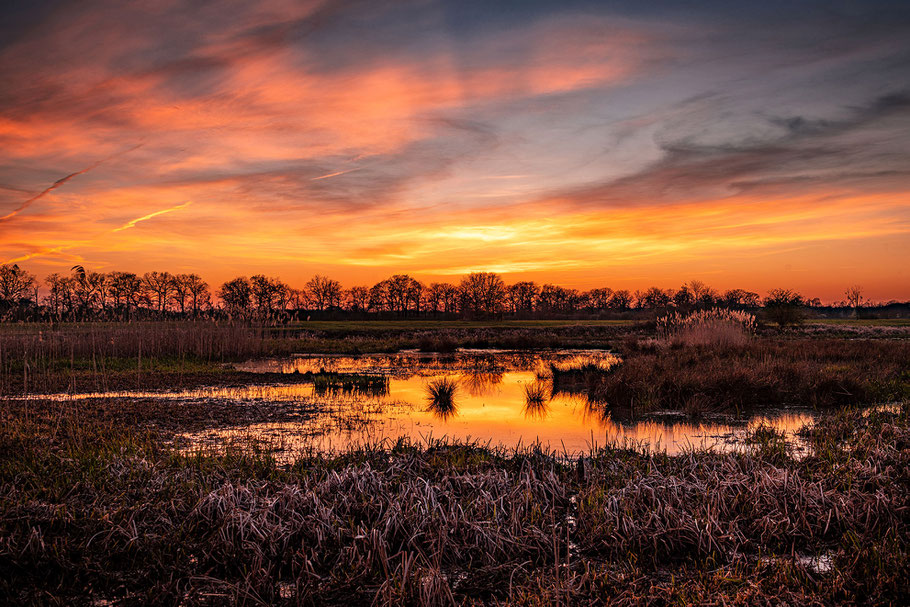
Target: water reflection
<point>537,399</point>
<point>441,395</point>
<point>501,398</point>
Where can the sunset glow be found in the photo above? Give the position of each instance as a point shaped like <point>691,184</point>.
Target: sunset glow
<point>578,143</point>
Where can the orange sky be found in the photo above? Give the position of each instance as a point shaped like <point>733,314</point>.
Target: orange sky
<point>569,144</point>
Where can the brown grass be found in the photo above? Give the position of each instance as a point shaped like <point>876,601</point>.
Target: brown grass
<point>92,510</point>
<point>765,372</point>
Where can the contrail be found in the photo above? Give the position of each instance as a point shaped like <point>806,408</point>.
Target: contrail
<point>133,222</point>
<point>332,175</point>
<point>28,256</point>
<point>59,183</point>
<point>129,224</point>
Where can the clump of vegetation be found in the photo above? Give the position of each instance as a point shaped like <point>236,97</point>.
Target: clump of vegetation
<point>580,378</point>
<point>716,326</point>
<point>713,327</point>
<point>537,395</point>
<point>441,396</point>
<point>769,442</point>
<point>437,343</point>
<point>327,383</point>
<point>821,373</point>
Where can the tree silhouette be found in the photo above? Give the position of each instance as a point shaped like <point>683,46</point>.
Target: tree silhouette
<point>784,307</point>
<point>482,293</point>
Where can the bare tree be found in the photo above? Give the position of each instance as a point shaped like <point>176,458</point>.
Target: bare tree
<point>522,296</point>
<point>267,293</point>
<point>784,307</point>
<point>450,298</point>
<point>621,299</point>
<point>235,296</point>
<point>655,298</point>
<point>15,283</point>
<point>56,294</point>
<point>298,299</point>
<point>358,298</point>
<point>854,296</point>
<point>482,293</point>
<point>325,292</point>
<point>702,294</point>
<point>739,298</point>
<point>199,292</point>
<point>600,298</point>
<point>180,292</point>
<point>158,286</point>
<point>126,290</point>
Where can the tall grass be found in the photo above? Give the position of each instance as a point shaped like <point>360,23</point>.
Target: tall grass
<point>821,373</point>
<point>717,327</point>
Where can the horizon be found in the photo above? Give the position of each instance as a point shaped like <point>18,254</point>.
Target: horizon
<point>301,285</point>
<point>579,144</point>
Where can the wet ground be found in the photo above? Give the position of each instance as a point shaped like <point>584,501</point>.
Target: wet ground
<point>500,398</point>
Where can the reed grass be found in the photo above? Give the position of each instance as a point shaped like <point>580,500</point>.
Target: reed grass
<point>349,383</point>
<point>537,398</point>
<point>714,327</point>
<point>441,397</point>
<point>765,372</point>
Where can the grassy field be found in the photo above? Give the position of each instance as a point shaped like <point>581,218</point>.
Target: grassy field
<point>417,324</point>
<point>862,322</point>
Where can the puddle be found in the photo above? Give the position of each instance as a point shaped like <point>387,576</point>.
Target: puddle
<point>501,398</point>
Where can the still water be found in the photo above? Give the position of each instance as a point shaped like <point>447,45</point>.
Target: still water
<point>359,400</point>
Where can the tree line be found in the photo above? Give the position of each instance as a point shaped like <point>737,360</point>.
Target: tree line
<point>87,295</point>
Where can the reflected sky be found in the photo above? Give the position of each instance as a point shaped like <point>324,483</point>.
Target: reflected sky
<point>491,405</point>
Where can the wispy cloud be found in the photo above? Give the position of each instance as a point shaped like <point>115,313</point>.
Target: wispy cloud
<point>58,184</point>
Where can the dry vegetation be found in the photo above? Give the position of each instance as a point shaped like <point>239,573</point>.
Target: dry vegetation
<point>95,356</point>
<point>93,508</point>
<point>98,504</point>
<point>821,373</point>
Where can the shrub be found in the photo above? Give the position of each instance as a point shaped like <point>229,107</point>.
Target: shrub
<point>784,307</point>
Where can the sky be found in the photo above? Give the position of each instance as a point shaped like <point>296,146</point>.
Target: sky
<point>624,144</point>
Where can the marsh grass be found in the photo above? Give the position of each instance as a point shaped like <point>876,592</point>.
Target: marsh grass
<point>769,443</point>
<point>580,378</point>
<point>39,358</point>
<point>713,327</point>
<point>94,510</point>
<point>327,383</point>
<point>441,397</point>
<point>537,398</point>
<point>820,373</point>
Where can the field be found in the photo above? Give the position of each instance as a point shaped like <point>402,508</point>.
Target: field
<point>100,505</point>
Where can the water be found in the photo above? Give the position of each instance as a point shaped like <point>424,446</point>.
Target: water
<point>489,406</point>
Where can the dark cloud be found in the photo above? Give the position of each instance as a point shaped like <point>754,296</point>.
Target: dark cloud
<point>810,152</point>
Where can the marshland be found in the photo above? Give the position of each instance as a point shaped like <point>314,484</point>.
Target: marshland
<point>454,303</point>
<point>700,458</point>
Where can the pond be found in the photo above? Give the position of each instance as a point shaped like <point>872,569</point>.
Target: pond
<point>500,398</point>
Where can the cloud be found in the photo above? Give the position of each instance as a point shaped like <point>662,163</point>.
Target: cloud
<point>437,136</point>
<point>805,153</point>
